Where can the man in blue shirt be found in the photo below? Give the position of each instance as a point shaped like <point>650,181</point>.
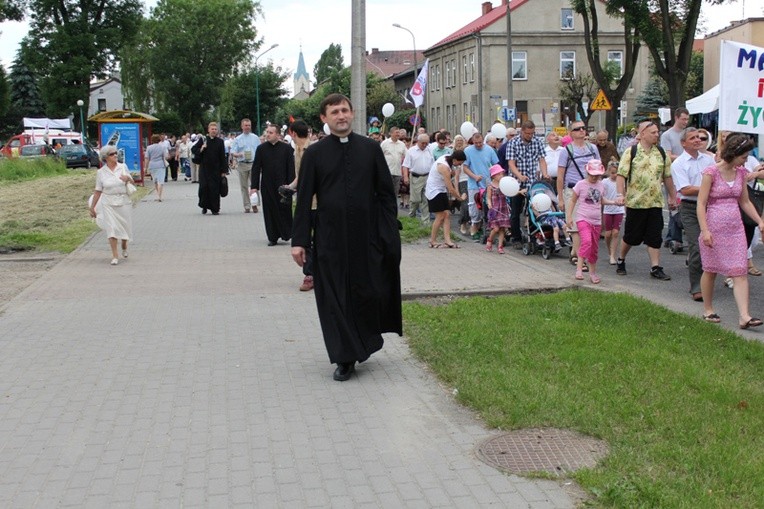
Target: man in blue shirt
<point>243,149</point>
<point>480,158</point>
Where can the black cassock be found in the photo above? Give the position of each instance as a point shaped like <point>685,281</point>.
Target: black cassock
<point>357,250</point>
<point>274,167</point>
<point>212,167</point>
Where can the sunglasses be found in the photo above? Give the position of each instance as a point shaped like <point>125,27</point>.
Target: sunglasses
<point>703,139</point>
<point>111,154</point>
<point>582,128</point>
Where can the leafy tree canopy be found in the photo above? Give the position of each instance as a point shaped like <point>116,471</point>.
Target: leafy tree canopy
<point>239,99</point>
<point>329,64</point>
<point>71,41</point>
<point>186,51</point>
<point>11,10</point>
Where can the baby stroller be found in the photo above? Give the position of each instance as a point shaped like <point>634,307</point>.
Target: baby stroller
<point>538,236</point>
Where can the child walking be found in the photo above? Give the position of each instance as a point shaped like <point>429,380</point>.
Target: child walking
<point>588,194</point>
<point>612,215</point>
<point>498,210</point>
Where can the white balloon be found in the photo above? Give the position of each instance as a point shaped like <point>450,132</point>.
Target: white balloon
<point>388,109</point>
<point>499,130</point>
<point>467,130</point>
<point>326,129</point>
<point>509,186</point>
<point>541,202</point>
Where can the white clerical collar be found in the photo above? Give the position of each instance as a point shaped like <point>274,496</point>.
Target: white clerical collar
<point>344,139</point>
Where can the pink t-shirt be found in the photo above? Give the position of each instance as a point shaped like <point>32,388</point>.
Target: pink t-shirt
<point>589,203</point>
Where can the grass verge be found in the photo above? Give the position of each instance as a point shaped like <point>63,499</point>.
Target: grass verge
<point>48,213</point>
<point>413,229</point>
<point>680,401</point>
<point>19,170</point>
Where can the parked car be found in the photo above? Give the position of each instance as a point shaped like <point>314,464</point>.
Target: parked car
<point>79,155</point>
<point>37,152</point>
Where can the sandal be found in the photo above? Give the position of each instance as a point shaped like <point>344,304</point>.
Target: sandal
<point>489,245</point>
<point>753,271</point>
<point>573,260</point>
<point>594,278</point>
<point>713,318</point>
<point>579,275</point>
<point>697,297</point>
<point>433,245</point>
<point>500,250</point>
<point>753,322</point>
<point>450,246</point>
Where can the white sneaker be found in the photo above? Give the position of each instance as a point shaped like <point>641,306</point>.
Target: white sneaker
<point>114,261</point>
<point>124,253</point>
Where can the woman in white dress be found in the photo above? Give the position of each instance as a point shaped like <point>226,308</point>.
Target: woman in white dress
<point>111,204</point>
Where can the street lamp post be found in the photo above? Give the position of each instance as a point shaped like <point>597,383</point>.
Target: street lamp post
<point>413,39</point>
<point>81,103</point>
<point>257,87</point>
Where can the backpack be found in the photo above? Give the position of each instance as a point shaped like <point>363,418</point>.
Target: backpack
<point>572,158</point>
<point>634,153</point>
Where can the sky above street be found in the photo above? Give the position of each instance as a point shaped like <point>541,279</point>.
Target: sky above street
<point>313,26</point>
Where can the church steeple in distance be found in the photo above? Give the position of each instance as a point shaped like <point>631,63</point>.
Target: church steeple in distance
<point>301,79</point>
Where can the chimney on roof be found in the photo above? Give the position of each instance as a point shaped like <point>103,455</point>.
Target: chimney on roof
<point>504,2</point>
<point>487,7</point>
<point>374,50</point>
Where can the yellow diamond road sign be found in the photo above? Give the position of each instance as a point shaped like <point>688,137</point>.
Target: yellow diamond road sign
<point>600,102</point>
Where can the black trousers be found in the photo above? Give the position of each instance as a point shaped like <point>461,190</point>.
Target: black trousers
<point>516,205</point>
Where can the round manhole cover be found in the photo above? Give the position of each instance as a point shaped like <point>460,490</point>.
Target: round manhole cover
<point>555,451</point>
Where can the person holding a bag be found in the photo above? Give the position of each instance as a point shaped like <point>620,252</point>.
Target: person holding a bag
<point>111,206</point>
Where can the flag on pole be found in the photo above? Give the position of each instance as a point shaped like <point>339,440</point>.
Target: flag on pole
<point>420,85</point>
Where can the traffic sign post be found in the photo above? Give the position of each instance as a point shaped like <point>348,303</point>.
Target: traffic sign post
<point>507,114</point>
<point>600,103</point>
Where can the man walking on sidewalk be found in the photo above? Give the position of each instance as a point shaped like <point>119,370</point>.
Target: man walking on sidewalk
<point>357,248</point>
<point>645,167</point>
<point>243,149</point>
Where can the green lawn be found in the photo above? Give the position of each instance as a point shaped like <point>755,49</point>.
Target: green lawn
<point>680,401</point>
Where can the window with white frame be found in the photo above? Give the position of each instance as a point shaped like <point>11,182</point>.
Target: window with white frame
<point>449,115</point>
<point>519,65</point>
<point>432,78</point>
<point>472,67</point>
<point>617,58</point>
<point>567,64</point>
<point>464,69</point>
<point>437,77</point>
<point>453,72</point>
<point>566,18</point>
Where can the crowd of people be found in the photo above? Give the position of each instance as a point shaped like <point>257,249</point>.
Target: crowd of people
<point>597,191</point>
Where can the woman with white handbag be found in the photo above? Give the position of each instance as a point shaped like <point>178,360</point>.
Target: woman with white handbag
<point>111,205</point>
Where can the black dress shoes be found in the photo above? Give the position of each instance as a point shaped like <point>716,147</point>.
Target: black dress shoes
<point>272,242</point>
<point>343,371</point>
<point>204,211</point>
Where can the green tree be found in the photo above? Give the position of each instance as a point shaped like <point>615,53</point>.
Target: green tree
<point>25,94</point>
<point>694,86</point>
<point>378,93</point>
<point>653,96</point>
<point>329,64</point>
<point>573,91</point>
<point>668,30</point>
<point>11,10</point>
<point>602,73</point>
<point>238,99</point>
<point>5,92</point>
<point>72,41</point>
<point>186,53</point>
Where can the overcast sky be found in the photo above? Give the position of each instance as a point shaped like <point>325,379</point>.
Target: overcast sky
<point>313,25</point>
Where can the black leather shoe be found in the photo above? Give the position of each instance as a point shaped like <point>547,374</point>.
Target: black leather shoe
<point>204,211</point>
<point>272,242</point>
<point>343,371</point>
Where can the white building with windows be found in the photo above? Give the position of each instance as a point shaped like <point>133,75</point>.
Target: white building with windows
<point>106,95</point>
<point>468,68</point>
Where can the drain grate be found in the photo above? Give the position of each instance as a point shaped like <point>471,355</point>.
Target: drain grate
<point>556,451</point>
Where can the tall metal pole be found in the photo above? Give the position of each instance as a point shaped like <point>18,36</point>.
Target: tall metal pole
<point>413,40</point>
<point>510,91</point>
<point>257,88</point>
<point>84,135</point>
<point>358,65</point>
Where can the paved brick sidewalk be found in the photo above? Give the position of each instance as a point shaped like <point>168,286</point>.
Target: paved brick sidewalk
<point>193,374</point>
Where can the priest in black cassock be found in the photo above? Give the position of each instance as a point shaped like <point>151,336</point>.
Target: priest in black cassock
<point>357,246</point>
<point>211,151</point>
<point>274,167</point>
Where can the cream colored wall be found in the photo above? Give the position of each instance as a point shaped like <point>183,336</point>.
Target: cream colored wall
<point>751,32</point>
<point>538,32</point>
